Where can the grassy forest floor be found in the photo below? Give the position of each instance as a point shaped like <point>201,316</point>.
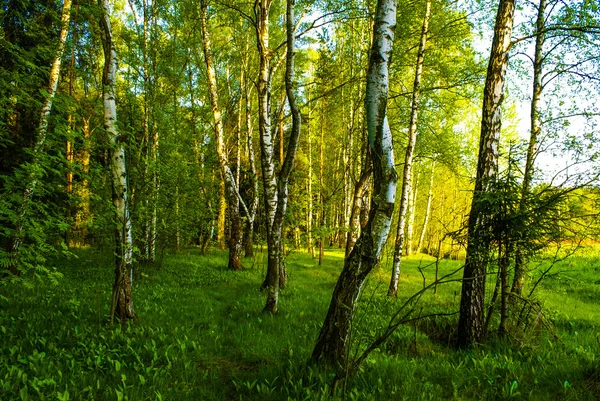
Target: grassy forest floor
<point>201,336</point>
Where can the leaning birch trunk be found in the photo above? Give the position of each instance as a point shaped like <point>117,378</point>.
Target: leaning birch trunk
<point>412,139</point>
<point>41,133</point>
<point>427,209</point>
<point>471,321</point>
<point>122,297</point>
<point>520,262</point>
<point>231,192</point>
<point>332,345</point>
<point>249,236</point>
<point>274,268</point>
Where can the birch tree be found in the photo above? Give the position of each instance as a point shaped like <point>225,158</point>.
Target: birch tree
<point>275,186</point>
<point>408,161</point>
<point>331,348</point>
<point>232,194</point>
<point>471,321</point>
<point>122,295</point>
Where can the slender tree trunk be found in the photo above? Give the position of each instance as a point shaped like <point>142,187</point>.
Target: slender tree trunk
<point>471,320</point>
<point>538,60</point>
<point>83,214</point>
<point>249,236</point>
<point>332,345</point>
<point>122,296</point>
<point>231,191</point>
<point>40,136</point>
<point>267,152</point>
<point>70,145</point>
<point>503,262</point>
<point>410,224</point>
<point>427,208</point>
<point>408,162</point>
<point>222,214</point>
<point>321,188</point>
<point>278,200</point>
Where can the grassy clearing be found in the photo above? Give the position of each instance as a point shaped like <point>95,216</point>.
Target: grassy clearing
<point>201,336</point>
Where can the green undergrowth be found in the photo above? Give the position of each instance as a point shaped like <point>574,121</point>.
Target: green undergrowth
<point>201,335</point>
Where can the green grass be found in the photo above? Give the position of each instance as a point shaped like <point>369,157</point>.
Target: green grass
<point>201,336</point>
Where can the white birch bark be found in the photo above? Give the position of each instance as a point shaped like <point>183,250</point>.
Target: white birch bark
<point>276,274</point>
<point>122,300</point>
<point>331,348</point>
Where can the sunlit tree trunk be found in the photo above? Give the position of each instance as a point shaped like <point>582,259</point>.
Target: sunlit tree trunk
<point>408,161</point>
<point>331,348</point>
<point>122,297</point>
<point>222,214</point>
<point>538,60</point>
<point>471,321</point>
<point>41,134</point>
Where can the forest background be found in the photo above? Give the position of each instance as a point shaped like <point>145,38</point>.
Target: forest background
<point>207,149</point>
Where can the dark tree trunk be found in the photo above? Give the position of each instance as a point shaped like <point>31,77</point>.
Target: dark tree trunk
<point>471,321</point>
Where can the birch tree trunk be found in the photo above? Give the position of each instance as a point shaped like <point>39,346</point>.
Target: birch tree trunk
<point>279,199</point>
<point>41,134</point>
<point>410,223</point>
<point>412,139</point>
<point>122,296</point>
<point>538,60</point>
<point>309,217</point>
<point>231,191</point>
<point>331,348</point>
<point>271,282</point>
<point>471,321</point>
